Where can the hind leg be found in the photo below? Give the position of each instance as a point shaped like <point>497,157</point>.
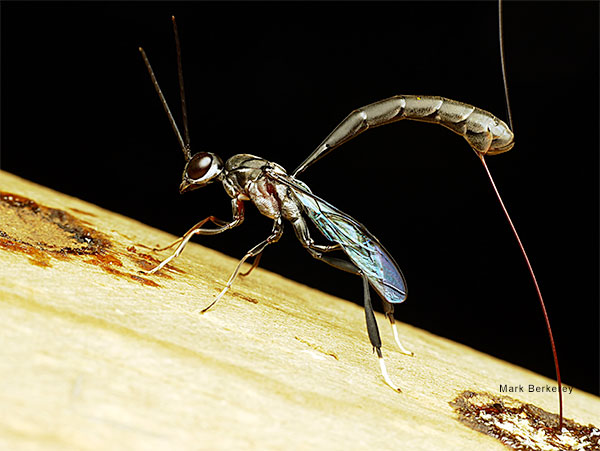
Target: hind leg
<point>372,330</point>
<point>388,308</point>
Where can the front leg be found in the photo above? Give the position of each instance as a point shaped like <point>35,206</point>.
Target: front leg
<point>237,207</point>
<point>216,221</point>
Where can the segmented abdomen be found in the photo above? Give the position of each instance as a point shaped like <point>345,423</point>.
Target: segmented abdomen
<point>484,132</point>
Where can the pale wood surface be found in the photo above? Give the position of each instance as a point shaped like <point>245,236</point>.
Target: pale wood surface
<point>90,360</point>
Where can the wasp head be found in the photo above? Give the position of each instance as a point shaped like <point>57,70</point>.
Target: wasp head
<point>200,170</point>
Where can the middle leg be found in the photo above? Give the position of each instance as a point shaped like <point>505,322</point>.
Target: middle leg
<point>255,251</point>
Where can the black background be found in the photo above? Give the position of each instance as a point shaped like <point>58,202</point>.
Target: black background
<point>80,115</point>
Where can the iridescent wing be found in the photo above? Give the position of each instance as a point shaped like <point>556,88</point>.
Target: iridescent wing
<point>363,249</point>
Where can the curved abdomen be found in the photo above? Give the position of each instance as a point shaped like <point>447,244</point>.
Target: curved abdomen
<point>485,133</point>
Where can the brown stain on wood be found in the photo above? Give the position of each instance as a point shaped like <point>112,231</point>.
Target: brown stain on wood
<point>44,233</point>
<point>521,426</point>
<point>146,262</point>
<point>246,298</point>
<point>317,348</point>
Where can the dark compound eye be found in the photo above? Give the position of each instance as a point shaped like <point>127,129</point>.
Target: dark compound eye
<point>199,165</point>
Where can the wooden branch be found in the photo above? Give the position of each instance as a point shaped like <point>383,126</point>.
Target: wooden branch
<point>96,355</point>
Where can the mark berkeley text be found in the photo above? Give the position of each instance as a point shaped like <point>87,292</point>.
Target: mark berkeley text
<point>532,388</point>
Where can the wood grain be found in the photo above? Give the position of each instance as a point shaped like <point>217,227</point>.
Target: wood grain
<point>95,357</point>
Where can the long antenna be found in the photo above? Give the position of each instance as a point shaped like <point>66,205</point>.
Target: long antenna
<point>186,129</point>
<point>514,230</point>
<point>186,150</point>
